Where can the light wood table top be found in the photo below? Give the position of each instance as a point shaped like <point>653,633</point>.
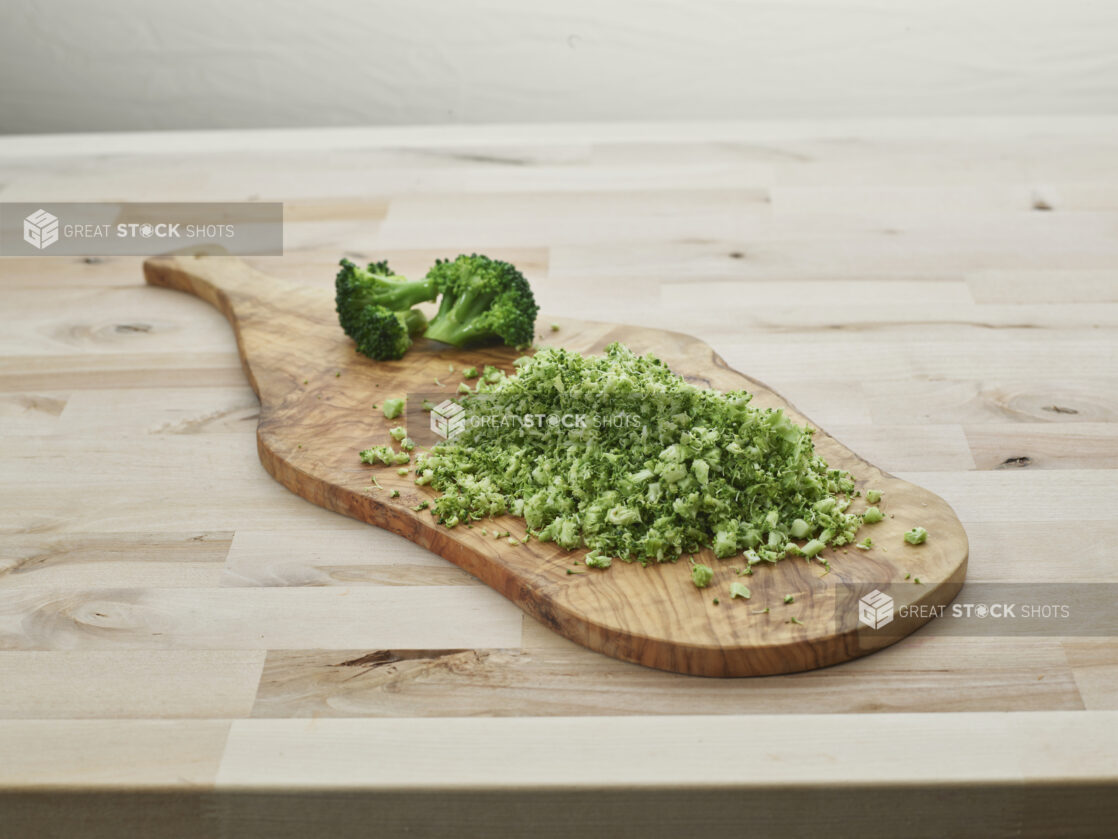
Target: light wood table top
<point>942,296</point>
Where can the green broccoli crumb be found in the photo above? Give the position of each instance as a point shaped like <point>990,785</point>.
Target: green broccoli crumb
<point>701,575</point>
<point>865,544</point>
<point>422,505</point>
<point>427,405</point>
<point>740,590</point>
<point>595,559</point>
<point>873,496</point>
<point>788,598</point>
<point>916,536</point>
<point>398,433</point>
<point>403,470</point>
<point>872,515</point>
<point>469,373</point>
<point>554,327</point>
<point>917,581</point>
<point>393,408</point>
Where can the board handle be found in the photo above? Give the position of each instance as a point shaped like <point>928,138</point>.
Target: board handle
<point>219,280</point>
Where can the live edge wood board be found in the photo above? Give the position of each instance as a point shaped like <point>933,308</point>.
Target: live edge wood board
<point>316,397</point>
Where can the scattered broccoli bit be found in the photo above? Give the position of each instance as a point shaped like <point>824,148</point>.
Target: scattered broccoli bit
<point>916,581</point>
<point>385,455</point>
<point>701,575</point>
<point>422,505</point>
<point>428,405</point>
<point>865,544</point>
<point>795,620</point>
<point>407,444</point>
<point>916,536</point>
<point>464,388</point>
<point>873,496</point>
<point>872,515</point>
<point>788,598</point>
<point>812,548</point>
<point>374,308</point>
<point>403,470</point>
<point>554,327</point>
<point>482,300</point>
<point>469,373</point>
<point>394,494</point>
<point>393,408</point>
<point>398,433</point>
<point>660,467</point>
<point>597,560</point>
<point>908,576</point>
<point>740,590</point>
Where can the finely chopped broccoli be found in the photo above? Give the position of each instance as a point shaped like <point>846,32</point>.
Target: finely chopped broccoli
<point>649,467</point>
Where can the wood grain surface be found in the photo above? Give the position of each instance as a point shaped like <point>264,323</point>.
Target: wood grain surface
<point>939,295</point>
<point>317,409</point>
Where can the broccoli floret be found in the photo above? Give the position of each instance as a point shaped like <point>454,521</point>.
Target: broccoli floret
<point>374,308</point>
<point>483,300</point>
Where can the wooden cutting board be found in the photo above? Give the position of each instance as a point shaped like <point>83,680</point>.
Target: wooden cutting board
<point>316,396</point>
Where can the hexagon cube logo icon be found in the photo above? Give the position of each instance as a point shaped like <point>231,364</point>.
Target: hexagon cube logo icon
<point>448,419</point>
<point>875,610</point>
<point>40,229</point>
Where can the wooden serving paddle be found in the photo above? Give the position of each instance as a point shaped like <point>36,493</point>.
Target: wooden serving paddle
<point>313,421</point>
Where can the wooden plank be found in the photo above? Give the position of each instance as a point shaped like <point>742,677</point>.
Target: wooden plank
<point>95,684</point>
<point>733,752</point>
<point>352,557</point>
<point>1042,496</point>
<point>1022,286</point>
<point>1094,664</point>
<point>1081,445</point>
<point>105,754</point>
<point>555,677</point>
<point>114,560</point>
<point>110,412</point>
<point>254,619</point>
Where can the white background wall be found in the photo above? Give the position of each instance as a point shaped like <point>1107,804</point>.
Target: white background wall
<point>78,65</point>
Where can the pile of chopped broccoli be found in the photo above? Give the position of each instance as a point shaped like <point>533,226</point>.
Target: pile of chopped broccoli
<point>374,308</point>
<point>656,466</point>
